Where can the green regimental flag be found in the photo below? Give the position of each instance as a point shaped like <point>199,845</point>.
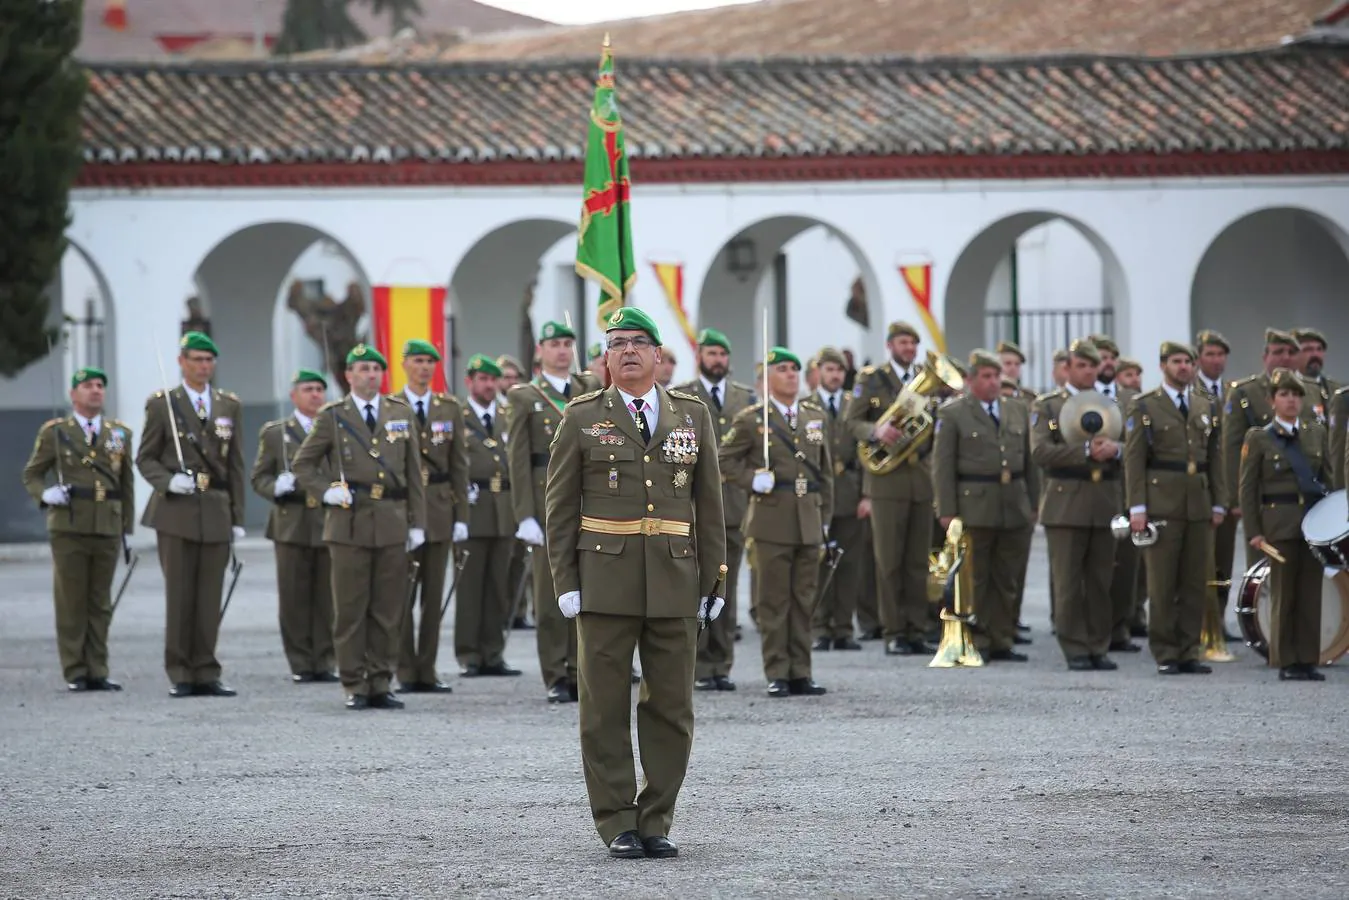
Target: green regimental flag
<point>604,239</point>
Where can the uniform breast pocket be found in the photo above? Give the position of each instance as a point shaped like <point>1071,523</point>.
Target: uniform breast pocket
<point>610,472</point>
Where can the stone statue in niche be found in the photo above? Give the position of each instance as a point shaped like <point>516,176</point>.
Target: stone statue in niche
<point>338,318</point>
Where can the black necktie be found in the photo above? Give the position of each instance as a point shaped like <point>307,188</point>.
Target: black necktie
<point>639,410</point>
<point>421,413</point>
<point>566,390</point>
<point>1105,389</point>
<point>1184,408</point>
<point>994,416</point>
<point>716,396</point>
<point>833,407</point>
<point>370,417</point>
<point>487,422</point>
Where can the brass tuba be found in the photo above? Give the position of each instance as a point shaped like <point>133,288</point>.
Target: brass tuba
<point>909,415</point>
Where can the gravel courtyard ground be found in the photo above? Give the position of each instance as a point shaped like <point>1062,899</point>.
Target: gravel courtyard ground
<point>1015,780</point>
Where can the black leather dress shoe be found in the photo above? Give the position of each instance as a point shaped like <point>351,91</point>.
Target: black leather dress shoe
<point>1292,673</point>
<point>779,688</point>
<point>1312,674</point>
<point>214,689</point>
<point>472,671</point>
<point>1168,668</point>
<point>1022,626</point>
<point>1124,647</point>
<point>437,687</point>
<point>846,644</point>
<point>922,648</point>
<point>358,701</point>
<point>386,700</point>
<point>659,847</point>
<point>805,687</point>
<point>898,648</point>
<point>1080,663</point>
<point>723,683</point>
<point>78,684</point>
<point>705,684</point>
<point>559,693</point>
<point>1141,631</point>
<point>326,678</point>
<point>874,634</point>
<point>1007,656</point>
<point>412,687</point>
<point>627,846</point>
<point>1019,639</point>
<point>302,677</point>
<point>521,624</point>
<point>1195,667</point>
<point>1103,664</point>
<point>103,684</point>
<point>738,633</point>
<point>181,689</point>
<point>822,644</point>
<point>501,669</point>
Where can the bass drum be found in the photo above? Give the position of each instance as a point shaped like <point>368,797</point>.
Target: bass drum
<point>1254,609</point>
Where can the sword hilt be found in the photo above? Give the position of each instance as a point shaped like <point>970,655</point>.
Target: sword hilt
<point>712,595</point>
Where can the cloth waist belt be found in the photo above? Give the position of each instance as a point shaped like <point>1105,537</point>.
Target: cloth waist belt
<point>538,460</point>
<point>991,479</point>
<point>438,478</point>
<point>1084,474</point>
<point>88,493</point>
<point>1190,468</point>
<point>377,491</point>
<point>1280,499</point>
<point>486,484</point>
<point>647,526</point>
<point>812,487</point>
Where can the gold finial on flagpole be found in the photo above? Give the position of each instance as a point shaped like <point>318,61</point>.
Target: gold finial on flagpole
<point>606,40</point>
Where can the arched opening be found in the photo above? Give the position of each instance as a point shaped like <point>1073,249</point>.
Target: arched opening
<point>1281,267</point>
<point>1037,278</point>
<point>87,334</point>
<point>816,284</point>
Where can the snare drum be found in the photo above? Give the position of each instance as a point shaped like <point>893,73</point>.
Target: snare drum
<point>1255,607</point>
<point>1326,528</point>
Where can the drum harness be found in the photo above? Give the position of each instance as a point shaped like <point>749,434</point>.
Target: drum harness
<point>1308,486</point>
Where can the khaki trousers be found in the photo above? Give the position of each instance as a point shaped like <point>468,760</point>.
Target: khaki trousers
<point>1124,590</point>
<point>999,559</point>
<point>482,602</point>
<point>194,581</point>
<point>716,654</point>
<point>1224,553</point>
<point>901,537</point>
<point>82,571</point>
<point>787,578</point>
<point>1079,570</point>
<point>1179,567</point>
<point>834,609</point>
<point>419,643</point>
<point>305,607</point>
<point>556,634</point>
<point>1295,595</point>
<point>369,593</point>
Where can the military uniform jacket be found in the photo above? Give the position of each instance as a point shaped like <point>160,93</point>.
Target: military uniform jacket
<point>735,397</point>
<point>843,452</point>
<point>382,470</point>
<point>1269,484</point>
<point>297,517</point>
<point>1172,463</point>
<point>1319,392</point>
<point>802,500</point>
<point>444,464</point>
<point>535,411</point>
<point>616,507</point>
<point>492,514</point>
<point>1337,423</point>
<point>1077,491</point>
<point>102,482</point>
<point>1248,406</point>
<point>875,389</point>
<point>982,471</point>
<point>211,451</point>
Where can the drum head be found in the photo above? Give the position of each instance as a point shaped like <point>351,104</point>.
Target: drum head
<point>1334,615</point>
<point>1327,521</point>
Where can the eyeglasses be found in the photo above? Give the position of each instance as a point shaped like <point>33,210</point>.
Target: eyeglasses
<point>637,343</point>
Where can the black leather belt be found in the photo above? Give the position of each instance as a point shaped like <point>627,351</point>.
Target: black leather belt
<point>486,484</point>
<point>538,460</point>
<point>294,498</point>
<point>991,479</point>
<point>438,478</point>
<point>377,491</point>
<point>1189,468</point>
<point>1083,474</point>
<point>88,493</point>
<point>812,487</point>
<point>1281,499</point>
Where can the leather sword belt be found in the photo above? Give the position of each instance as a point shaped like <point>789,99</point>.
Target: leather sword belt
<point>647,526</point>
<point>295,498</point>
<point>438,478</point>
<point>488,484</point>
<point>538,460</point>
<point>377,491</point>
<point>98,495</point>
<point>1189,468</point>
<point>1280,499</point>
<point>1003,477</point>
<point>1083,474</point>
<point>812,487</point>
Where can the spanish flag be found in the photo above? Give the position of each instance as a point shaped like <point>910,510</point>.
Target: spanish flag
<point>918,278</point>
<point>402,313</point>
<point>671,278</point>
<point>114,14</point>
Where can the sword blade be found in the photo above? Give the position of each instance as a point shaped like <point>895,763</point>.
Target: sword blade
<point>236,569</point>
<point>126,579</point>
<point>460,559</point>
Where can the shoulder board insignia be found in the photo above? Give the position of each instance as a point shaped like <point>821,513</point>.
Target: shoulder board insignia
<point>1041,398</point>
<point>333,404</point>
<point>744,387</point>
<point>867,370</point>
<point>159,394</point>
<point>949,401</point>
<point>586,397</point>
<point>682,395</point>
<point>275,423</point>
<point>50,422</point>
<point>810,403</point>
<point>395,398</point>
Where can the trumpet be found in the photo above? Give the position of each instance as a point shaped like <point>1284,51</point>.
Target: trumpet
<point>1120,528</point>
<point>910,416</point>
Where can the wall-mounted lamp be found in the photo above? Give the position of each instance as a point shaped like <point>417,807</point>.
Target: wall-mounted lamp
<point>742,258</point>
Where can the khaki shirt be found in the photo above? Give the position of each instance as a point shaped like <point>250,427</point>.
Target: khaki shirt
<point>1078,492</point>
<point>491,514</point>
<point>535,412</point>
<point>982,471</point>
<point>874,390</point>
<point>297,517</point>
<point>636,527</point>
<point>1172,464</point>
<point>1269,485</point>
<point>444,464</point>
<point>100,476</point>
<point>734,499</point>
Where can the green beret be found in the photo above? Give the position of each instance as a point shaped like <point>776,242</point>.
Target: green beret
<point>1306,335</point>
<point>895,329</point>
<point>365,353</point>
<point>553,330</point>
<point>981,358</point>
<point>88,373</point>
<point>1275,336</point>
<point>195,340</point>
<point>480,362</point>
<point>418,347</point>
<point>506,359</point>
<point>1171,348</point>
<point>630,318</point>
<point>783,355</point>
<point>831,354</point>
<point>1009,347</point>
<point>594,351</point>
<point>306,375</point>
<point>1286,380</point>
<point>710,337</point>
<point>1126,363</point>
<point>1208,336</point>
<point>1085,349</point>
<point>1104,342</point>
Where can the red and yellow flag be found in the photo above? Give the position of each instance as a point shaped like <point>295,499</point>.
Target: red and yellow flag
<point>671,278</point>
<point>114,14</point>
<point>918,278</point>
<point>402,313</point>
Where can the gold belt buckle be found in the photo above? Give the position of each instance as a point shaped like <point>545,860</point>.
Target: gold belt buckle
<point>839,467</point>
<point>801,485</point>
<point>1006,477</point>
<point>1191,468</point>
<point>203,481</point>
<point>1095,475</point>
<point>100,492</point>
<point>651,526</point>
<point>310,502</point>
<point>376,492</point>
<point>495,484</point>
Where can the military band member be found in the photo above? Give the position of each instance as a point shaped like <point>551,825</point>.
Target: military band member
<point>512,373</point>
<point>444,474</point>
<point>295,527</point>
<point>981,465</point>
<point>1310,365</point>
<point>725,399</point>
<point>635,539</point>
<point>1337,423</point>
<point>1129,375</point>
<point>375,516</point>
<point>899,502</point>
<point>197,510</point>
<point>1210,365</point>
<point>1283,472</point>
<point>484,601</point>
<point>833,623</point>
<point>1172,458</point>
<point>1132,618</point>
<point>1012,359</point>
<point>91,509</point>
<point>1060,370</point>
<point>1080,495</point>
<point>535,410</point>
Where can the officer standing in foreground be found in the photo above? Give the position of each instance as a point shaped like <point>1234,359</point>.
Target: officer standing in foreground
<point>635,541</point>
<point>295,527</point>
<point>444,475</point>
<point>90,510</point>
<point>981,465</point>
<point>197,510</point>
<point>376,515</point>
<point>1211,364</point>
<point>1172,459</point>
<point>1283,472</point>
<point>484,598</point>
<point>535,411</point>
<point>725,399</point>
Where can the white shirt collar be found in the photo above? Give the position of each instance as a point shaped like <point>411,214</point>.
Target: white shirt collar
<point>305,422</point>
<point>782,408</point>
<point>1212,385</point>
<point>193,396</point>
<point>708,385</point>
<point>1286,425</point>
<point>1175,395</point>
<point>480,411</point>
<point>900,371</point>
<point>360,404</point>
<point>1110,390</point>
<point>414,398</point>
<point>837,397</point>
<point>97,422</point>
<point>997,407</point>
<point>559,384</point>
<point>651,409</point>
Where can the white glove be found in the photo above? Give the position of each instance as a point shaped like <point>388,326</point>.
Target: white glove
<point>416,537</point>
<point>237,532</point>
<point>717,605</point>
<point>763,482</point>
<point>472,494</point>
<point>530,532</point>
<point>460,532</point>
<point>182,483</point>
<point>337,495</point>
<point>569,603</point>
<point>285,484</point>
<point>56,495</point>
